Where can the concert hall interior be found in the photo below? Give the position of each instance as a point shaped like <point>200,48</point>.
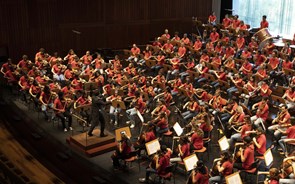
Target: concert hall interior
<point>149,91</point>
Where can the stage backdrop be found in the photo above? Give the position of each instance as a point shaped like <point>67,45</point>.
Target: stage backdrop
<point>27,25</point>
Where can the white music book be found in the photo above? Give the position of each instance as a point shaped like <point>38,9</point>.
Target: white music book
<point>268,157</point>
<point>152,146</point>
<point>234,178</point>
<point>190,162</point>
<point>177,129</point>
<point>223,143</point>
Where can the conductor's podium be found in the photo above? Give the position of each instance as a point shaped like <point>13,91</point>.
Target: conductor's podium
<point>94,145</point>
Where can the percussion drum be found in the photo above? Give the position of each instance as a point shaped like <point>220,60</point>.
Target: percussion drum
<point>262,36</point>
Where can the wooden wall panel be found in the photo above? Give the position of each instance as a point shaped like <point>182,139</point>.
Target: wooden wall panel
<point>27,25</point>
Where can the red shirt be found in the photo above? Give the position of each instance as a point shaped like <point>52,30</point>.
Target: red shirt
<point>126,149</point>
<point>261,140</point>
<point>197,141</point>
<point>181,51</point>
<point>57,104</point>
<point>228,168</point>
<point>185,149</point>
<point>149,136</point>
<point>245,128</point>
<point>202,178</point>
<point>263,24</point>
<point>197,45</point>
<point>287,64</point>
<point>249,157</point>
<point>247,68</point>
<point>163,123</point>
<point>87,59</point>
<point>274,62</point>
<point>291,132</point>
<point>212,18</point>
<point>135,51</point>
<point>214,37</point>
<point>264,112</point>
<point>164,162</point>
<point>226,22</point>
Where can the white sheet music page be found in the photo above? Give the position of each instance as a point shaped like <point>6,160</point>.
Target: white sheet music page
<point>177,129</point>
<point>223,143</point>
<point>153,146</point>
<point>268,157</point>
<point>190,162</point>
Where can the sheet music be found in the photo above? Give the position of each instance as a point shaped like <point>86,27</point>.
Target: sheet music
<point>190,162</point>
<point>153,146</point>
<point>177,129</point>
<point>234,179</point>
<point>223,143</point>
<point>268,157</point>
<point>140,116</point>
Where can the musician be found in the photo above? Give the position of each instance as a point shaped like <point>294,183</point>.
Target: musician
<point>67,90</point>
<point>241,132</point>
<point>224,168</point>
<point>183,149</point>
<point>123,151</point>
<point>160,58</point>
<point>24,63</point>
<point>261,113</point>
<point>189,67</point>
<point>247,155</point>
<point>84,100</point>
<point>40,55</point>
<point>114,111</point>
<point>253,45</point>
<point>260,142</point>
<point>146,136</point>
<point>87,59</point>
<point>289,97</point>
<point>192,107</point>
<point>228,110</point>
<point>166,34</point>
<point>6,66</point>
<point>261,72</point>
<point>175,67</point>
<point>202,69</point>
<point>159,163</point>
<point>176,37</point>
<point>220,75</point>
<point>182,50</point>
<point>217,102</point>
<point>176,83</point>
<point>137,106</point>
<point>281,122</point>
<point>160,79</point>
<point>97,113</point>
<point>216,60</point>
<point>161,121</point>
<point>214,36</point>
<point>209,46</point>
<point>242,26</point>
<point>200,175</point>
<point>226,22</point>
<point>168,47</point>
<point>76,83</point>
<point>185,40</point>
<point>54,59</point>
<point>196,139</point>
<point>46,99</point>
<point>237,81</point>
<point>58,70</point>
<point>61,112</point>
<point>198,44</point>
<point>274,177</point>
<point>212,19</point>
<point>135,51</point>
<point>288,134</point>
<point>240,43</point>
<point>235,22</point>
<point>264,22</point>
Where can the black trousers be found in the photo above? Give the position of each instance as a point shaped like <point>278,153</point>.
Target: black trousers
<point>95,121</point>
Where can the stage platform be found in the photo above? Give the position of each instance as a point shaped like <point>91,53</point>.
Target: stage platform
<point>94,145</point>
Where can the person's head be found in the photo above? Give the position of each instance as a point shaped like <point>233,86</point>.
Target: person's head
<point>201,167</point>
<point>274,174</point>
<point>260,131</point>
<point>166,31</point>
<point>264,17</point>
<point>225,156</point>
<point>25,57</point>
<point>134,45</point>
<point>247,140</point>
<point>292,119</point>
<point>87,53</point>
<point>184,139</point>
<point>42,50</point>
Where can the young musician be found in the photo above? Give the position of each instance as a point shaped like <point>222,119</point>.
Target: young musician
<point>84,100</point>
<point>241,133</point>
<point>183,148</point>
<point>264,22</point>
<point>114,111</point>
<point>46,99</point>
<point>247,155</point>
<point>224,168</point>
<point>288,134</point>
<point>260,142</point>
<point>261,113</point>
<point>159,163</point>
<point>197,138</point>
<point>59,108</point>
<point>200,175</point>
<point>123,151</point>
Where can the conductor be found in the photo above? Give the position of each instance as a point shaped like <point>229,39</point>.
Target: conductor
<point>98,104</point>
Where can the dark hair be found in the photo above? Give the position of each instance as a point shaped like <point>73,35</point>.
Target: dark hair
<point>264,16</point>
<point>247,139</point>
<point>201,167</point>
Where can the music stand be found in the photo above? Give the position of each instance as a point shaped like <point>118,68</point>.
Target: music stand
<point>268,158</point>
<point>152,146</point>
<point>234,178</point>
<point>120,130</point>
<point>223,143</point>
<point>190,162</point>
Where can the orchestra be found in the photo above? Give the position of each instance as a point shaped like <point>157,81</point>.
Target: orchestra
<point>224,83</point>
